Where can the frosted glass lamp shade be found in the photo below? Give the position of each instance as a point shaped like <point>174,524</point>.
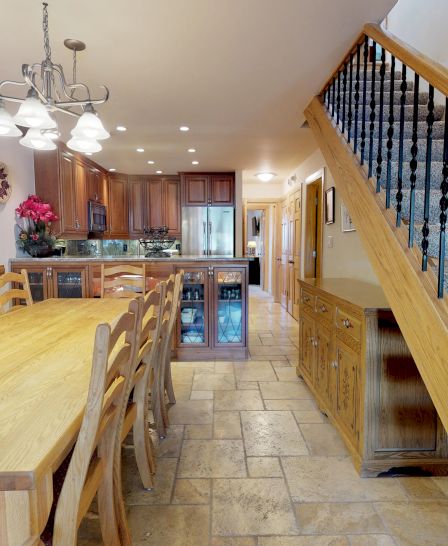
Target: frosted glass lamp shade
<point>84,145</point>
<point>32,113</point>
<point>37,141</point>
<point>7,126</point>
<point>89,126</point>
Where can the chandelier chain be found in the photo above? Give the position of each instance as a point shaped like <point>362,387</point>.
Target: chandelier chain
<point>47,46</point>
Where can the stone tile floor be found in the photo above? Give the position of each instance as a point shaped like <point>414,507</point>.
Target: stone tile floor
<point>250,461</point>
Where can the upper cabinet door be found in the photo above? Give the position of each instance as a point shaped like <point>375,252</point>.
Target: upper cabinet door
<point>222,190</point>
<point>118,205</point>
<point>195,190</point>
<point>154,203</point>
<point>172,206</point>
<point>137,205</point>
<point>67,179</point>
<point>81,224</point>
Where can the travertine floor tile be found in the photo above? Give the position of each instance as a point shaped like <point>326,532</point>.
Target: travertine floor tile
<point>331,479</point>
<point>224,367</point>
<point>324,440</point>
<point>238,400</point>
<point>442,483</point>
<point>247,385</point>
<point>212,459</point>
<point>227,425</point>
<point>233,541</point>
<point>313,416</point>
<point>371,540</point>
<point>198,432</point>
<point>304,541</point>
<point>213,382</point>
<point>191,492</point>
<point>191,412</point>
<point>132,486</point>
<point>288,373</point>
<point>422,488</point>
<point>182,376</point>
<point>299,405</point>
<point>169,446</point>
<point>169,525</point>
<point>254,371</point>
<point>412,522</point>
<point>285,390</point>
<point>271,433</point>
<point>252,507</point>
<point>279,341</point>
<point>273,351</point>
<point>338,518</point>
<point>182,391</point>
<point>264,467</point>
<point>201,395</point>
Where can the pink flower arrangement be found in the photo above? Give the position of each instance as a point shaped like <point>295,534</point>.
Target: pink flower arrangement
<point>37,210</point>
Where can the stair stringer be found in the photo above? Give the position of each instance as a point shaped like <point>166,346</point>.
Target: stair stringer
<point>411,293</point>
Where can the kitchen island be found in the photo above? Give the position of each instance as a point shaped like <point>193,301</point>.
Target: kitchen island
<point>212,322</point>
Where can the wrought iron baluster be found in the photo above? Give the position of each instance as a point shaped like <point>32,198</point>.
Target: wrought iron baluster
<point>443,207</point>
<point>379,159</point>
<point>328,96</point>
<point>338,100</point>
<point>425,229</point>
<point>333,97</point>
<point>403,89</point>
<point>372,110</point>
<point>350,91</point>
<point>344,95</point>
<point>364,100</point>
<point>413,163</point>
<point>358,62</point>
<point>390,131</point>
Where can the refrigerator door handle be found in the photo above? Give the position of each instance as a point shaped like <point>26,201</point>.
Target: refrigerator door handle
<point>204,249</point>
<point>210,226</point>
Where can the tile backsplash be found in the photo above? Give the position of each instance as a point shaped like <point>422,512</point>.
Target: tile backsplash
<point>105,247</point>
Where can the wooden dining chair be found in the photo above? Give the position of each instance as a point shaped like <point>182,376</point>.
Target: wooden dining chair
<point>138,408</point>
<point>22,293</point>
<point>95,464</point>
<point>123,281</point>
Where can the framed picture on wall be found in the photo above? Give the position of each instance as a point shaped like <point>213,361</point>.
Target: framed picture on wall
<point>329,205</point>
<point>346,221</point>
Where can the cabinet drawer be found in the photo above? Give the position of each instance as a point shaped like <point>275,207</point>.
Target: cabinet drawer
<point>308,299</point>
<point>348,323</point>
<point>324,309</point>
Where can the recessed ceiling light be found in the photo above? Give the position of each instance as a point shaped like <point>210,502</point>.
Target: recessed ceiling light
<point>121,128</point>
<point>265,177</point>
<point>191,150</point>
<point>140,150</point>
<point>184,128</point>
<point>150,162</point>
<point>112,170</point>
<point>195,162</point>
<point>159,172</point>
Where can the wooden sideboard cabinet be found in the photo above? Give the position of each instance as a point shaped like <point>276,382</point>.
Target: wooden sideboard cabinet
<point>208,189</point>
<point>356,363</point>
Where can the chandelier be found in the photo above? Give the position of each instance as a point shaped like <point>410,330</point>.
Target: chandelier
<point>48,93</point>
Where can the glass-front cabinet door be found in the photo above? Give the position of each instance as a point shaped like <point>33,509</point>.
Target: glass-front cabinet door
<point>193,315</point>
<point>38,283</point>
<point>229,295</point>
<point>69,282</point>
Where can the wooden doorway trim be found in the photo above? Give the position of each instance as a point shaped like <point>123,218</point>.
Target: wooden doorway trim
<point>313,225</point>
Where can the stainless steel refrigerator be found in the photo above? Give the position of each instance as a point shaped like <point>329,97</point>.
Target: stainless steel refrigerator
<point>208,231</point>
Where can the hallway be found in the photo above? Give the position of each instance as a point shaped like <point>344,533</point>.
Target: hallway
<point>250,461</point>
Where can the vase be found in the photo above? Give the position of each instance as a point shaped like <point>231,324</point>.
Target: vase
<point>39,250</point>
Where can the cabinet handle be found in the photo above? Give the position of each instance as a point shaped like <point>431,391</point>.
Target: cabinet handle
<point>334,364</point>
<point>49,272</point>
<point>76,224</point>
<point>323,309</point>
<point>347,323</point>
<point>306,299</point>
<point>315,343</point>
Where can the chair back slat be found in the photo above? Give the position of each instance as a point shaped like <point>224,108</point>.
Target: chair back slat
<point>23,293</point>
<point>123,281</point>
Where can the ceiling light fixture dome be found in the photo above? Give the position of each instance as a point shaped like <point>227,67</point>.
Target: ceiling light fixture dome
<point>37,140</point>
<point>265,176</point>
<point>32,113</point>
<point>7,126</point>
<point>90,126</point>
<point>84,145</point>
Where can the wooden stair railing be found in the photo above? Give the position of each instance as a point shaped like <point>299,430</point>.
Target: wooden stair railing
<point>385,140</point>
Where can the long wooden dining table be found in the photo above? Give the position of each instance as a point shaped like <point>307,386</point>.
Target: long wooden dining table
<point>45,366</point>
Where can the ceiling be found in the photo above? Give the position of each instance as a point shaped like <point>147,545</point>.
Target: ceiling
<point>239,73</point>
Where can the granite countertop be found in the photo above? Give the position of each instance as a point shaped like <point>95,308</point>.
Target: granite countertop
<point>182,258</point>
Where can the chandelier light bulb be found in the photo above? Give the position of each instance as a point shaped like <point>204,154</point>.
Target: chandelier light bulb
<point>84,145</point>
<point>7,126</point>
<point>89,126</point>
<point>33,114</point>
<point>37,141</point>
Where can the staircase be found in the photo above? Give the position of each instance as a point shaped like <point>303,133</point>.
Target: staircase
<point>382,127</point>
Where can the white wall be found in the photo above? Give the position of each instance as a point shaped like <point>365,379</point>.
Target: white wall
<point>20,163</point>
<point>347,258</point>
<point>238,213</point>
<point>423,25</point>
<point>261,191</point>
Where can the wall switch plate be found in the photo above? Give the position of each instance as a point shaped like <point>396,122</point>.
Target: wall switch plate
<point>330,241</point>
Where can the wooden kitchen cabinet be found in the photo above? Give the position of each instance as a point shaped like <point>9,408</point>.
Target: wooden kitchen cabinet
<point>357,365</point>
<point>118,206</point>
<point>208,189</point>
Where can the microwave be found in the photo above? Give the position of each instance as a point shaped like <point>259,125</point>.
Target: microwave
<point>97,215</point>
